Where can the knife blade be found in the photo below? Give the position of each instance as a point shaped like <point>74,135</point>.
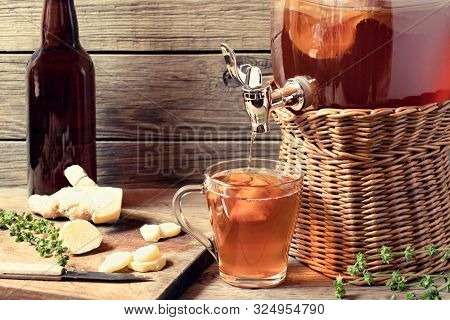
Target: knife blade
<point>102,276</point>
<point>43,272</point>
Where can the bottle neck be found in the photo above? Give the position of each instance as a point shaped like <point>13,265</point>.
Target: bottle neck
<point>60,24</point>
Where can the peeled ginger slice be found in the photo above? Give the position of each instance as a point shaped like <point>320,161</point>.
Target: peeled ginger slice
<point>147,254</point>
<point>169,229</point>
<point>115,261</point>
<point>151,232</point>
<point>80,236</point>
<point>155,265</point>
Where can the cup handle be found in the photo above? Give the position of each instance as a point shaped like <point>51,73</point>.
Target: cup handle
<point>187,227</point>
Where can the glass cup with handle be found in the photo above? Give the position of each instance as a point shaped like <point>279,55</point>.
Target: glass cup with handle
<point>253,208</point>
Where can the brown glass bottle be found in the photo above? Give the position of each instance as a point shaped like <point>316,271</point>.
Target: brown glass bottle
<point>61,102</point>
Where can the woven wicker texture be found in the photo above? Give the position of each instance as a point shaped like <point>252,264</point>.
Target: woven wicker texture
<point>372,178</point>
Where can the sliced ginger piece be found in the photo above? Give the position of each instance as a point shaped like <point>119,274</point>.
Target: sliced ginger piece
<point>80,236</point>
<point>155,265</point>
<point>147,254</point>
<point>151,232</point>
<point>115,261</point>
<point>169,229</point>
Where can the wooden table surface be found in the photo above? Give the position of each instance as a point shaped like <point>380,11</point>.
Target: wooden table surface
<point>185,258</point>
<point>301,282</point>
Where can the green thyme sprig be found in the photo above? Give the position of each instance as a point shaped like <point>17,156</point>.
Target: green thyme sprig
<point>387,255</point>
<point>396,280</point>
<point>339,287</point>
<point>41,233</point>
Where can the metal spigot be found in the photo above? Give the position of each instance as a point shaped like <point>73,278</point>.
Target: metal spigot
<point>260,99</point>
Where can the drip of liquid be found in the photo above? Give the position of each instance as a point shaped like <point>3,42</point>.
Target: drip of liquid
<point>250,151</point>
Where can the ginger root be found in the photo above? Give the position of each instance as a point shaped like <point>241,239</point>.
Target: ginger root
<point>85,200</point>
<point>78,177</point>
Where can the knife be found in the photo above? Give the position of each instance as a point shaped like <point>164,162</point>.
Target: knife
<point>45,272</point>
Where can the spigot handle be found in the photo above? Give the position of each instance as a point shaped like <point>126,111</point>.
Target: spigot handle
<point>248,76</point>
<point>232,66</point>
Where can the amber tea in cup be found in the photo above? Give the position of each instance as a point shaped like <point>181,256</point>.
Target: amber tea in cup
<point>253,209</point>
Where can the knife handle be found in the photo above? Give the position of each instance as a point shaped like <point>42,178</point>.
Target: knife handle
<point>31,269</point>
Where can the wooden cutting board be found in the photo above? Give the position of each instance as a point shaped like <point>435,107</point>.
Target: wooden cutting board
<point>187,259</point>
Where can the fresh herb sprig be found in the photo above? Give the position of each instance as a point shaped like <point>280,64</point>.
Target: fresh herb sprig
<point>41,233</point>
<point>396,280</point>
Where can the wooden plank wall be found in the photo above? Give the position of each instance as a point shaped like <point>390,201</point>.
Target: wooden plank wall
<point>163,110</point>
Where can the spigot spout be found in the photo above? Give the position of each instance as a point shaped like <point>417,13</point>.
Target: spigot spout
<point>259,99</point>
<point>257,104</point>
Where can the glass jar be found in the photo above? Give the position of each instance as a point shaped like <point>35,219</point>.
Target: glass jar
<point>364,54</point>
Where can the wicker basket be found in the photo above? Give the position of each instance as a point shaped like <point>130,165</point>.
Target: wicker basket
<point>372,177</point>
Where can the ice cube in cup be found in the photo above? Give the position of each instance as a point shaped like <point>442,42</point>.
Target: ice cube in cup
<point>249,197</point>
<point>249,205</point>
<point>239,179</point>
<point>259,182</point>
